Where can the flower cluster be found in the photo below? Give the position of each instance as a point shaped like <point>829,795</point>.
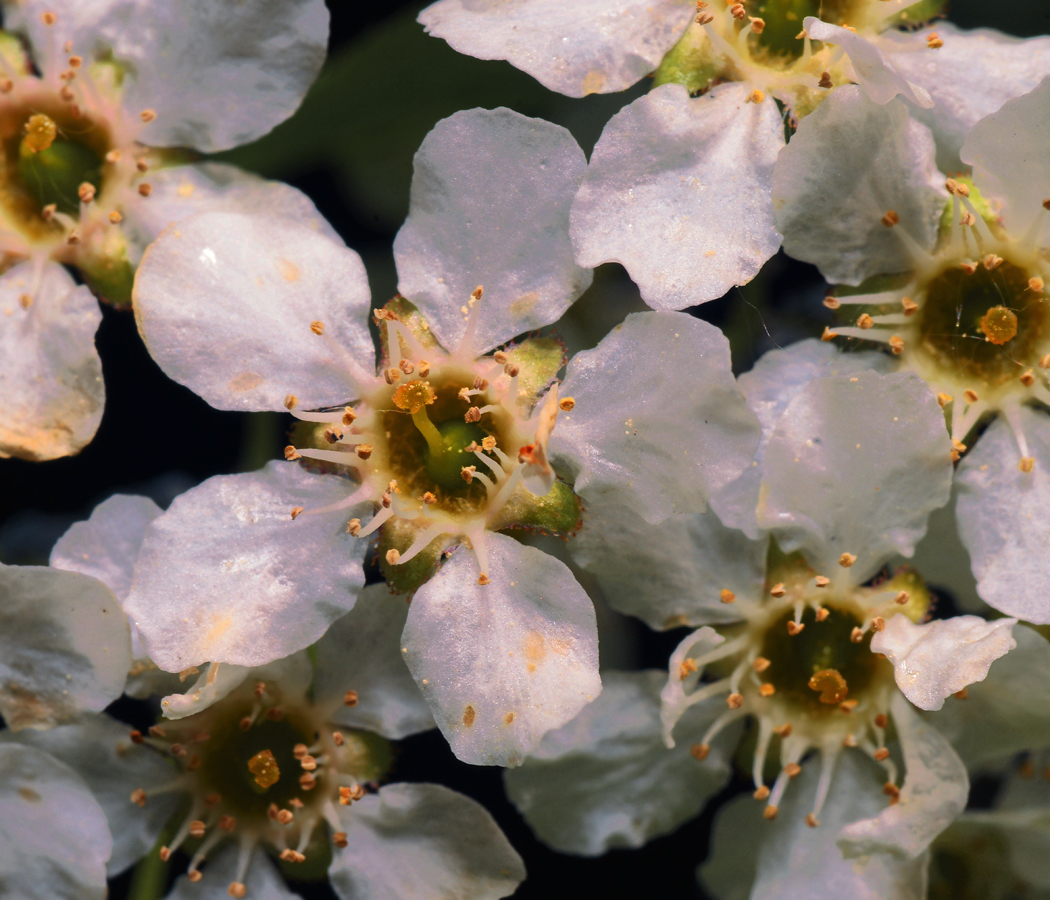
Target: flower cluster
<point>496,477</point>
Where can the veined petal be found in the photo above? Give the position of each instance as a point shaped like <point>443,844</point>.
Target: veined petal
<point>51,389</point>
<point>226,302</point>
<point>490,200</point>
<point>64,646</point>
<point>54,842</point>
<point>606,779</point>
<point>225,575</point>
<point>502,663</point>
<point>934,793</point>
<point>658,424</point>
<point>362,652</point>
<point>830,486</point>
<point>579,48</point>
<point>661,177</point>
<point>933,661</point>
<point>850,162</point>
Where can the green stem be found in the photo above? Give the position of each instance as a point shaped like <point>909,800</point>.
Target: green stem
<point>260,440</point>
<point>429,431</point>
<point>150,879</point>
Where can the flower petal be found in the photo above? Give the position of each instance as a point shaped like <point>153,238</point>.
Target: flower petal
<point>970,77</point>
<point>933,661</point>
<point>786,860</point>
<point>579,48</point>
<point>417,841</point>
<point>263,881</point>
<point>217,74</point>
<point>225,575</point>
<point>216,681</point>
<point>661,177</point>
<point>878,79</point>
<point>1004,517</point>
<point>501,664</point>
<point>54,842</point>
<point>225,302</point>
<point>362,652</point>
<point>831,486</point>
<point>99,750</point>
<point>934,793</point>
<point>669,574</point>
<point>51,380</point>
<point>659,424</point>
<point>1006,151</point>
<point>64,646</point>
<point>849,163</point>
<point>490,200</point>
<point>606,779</point>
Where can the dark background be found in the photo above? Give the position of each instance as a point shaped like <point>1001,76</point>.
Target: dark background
<point>350,148</point>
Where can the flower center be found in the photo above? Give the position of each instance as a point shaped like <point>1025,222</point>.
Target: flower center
<point>783,22</point>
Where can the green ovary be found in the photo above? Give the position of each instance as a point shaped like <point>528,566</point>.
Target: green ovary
<point>54,175</point>
<point>446,457</point>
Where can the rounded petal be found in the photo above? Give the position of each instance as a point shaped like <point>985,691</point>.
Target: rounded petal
<point>225,302</point>
<point>1007,153</point>
<point>787,860</point>
<point>934,793</point>
<point>490,200</point>
<point>1004,517</point>
<point>65,646</point>
<point>420,841</point>
<point>933,661</point>
<point>362,652</point>
<point>606,779</point>
<point>639,436</point>
<point>181,191</point>
<point>669,574</point>
<point>856,465</point>
<point>503,663</point>
<point>99,750</point>
<point>663,174</point>
<point>850,162</point>
<point>1008,711</point>
<point>263,881</point>
<point>579,48</point>
<point>225,575</point>
<point>217,74</point>
<point>768,388</point>
<point>51,389</point>
<point>970,77</point>
<point>54,842</point>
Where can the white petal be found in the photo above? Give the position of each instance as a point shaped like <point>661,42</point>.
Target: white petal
<point>422,841</point>
<point>490,200</point>
<point>855,466</point>
<point>933,661</point>
<point>1007,712</point>
<point>934,793</point>
<point>53,836</point>
<point>1004,517</point>
<point>99,750</point>
<point>606,779</point>
<point>663,174</point>
<point>849,163</point>
<point>225,575</point>
<point>263,881</point>
<point>768,388</point>
<point>180,191</point>
<point>105,546</point>
<point>1007,153</point>
<point>659,424</point>
<point>672,573</point>
<point>218,680</point>
<point>217,74</point>
<point>64,646</point>
<point>51,390</point>
<point>874,74</point>
<point>579,48</point>
<point>501,664</point>
<point>224,302</point>
<point>362,652</point>
<point>971,76</point>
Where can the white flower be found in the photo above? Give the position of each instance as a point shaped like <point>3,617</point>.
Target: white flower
<point>969,310</point>
<point>87,110</point>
